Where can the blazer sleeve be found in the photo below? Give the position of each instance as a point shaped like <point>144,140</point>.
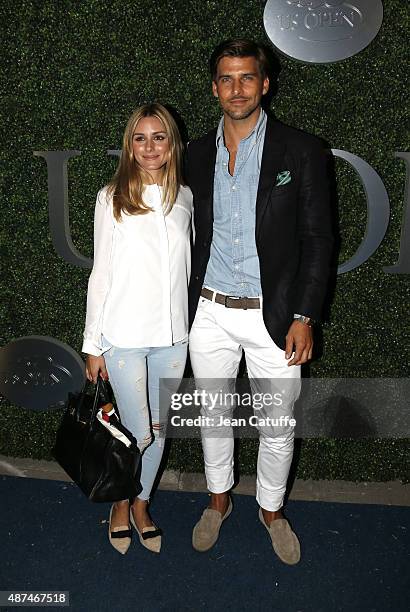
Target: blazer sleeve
<point>314,228</point>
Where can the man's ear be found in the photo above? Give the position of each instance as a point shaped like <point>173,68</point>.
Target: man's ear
<point>265,86</point>
<point>215,89</point>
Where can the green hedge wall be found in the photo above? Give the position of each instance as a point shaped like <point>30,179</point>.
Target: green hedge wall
<point>74,71</point>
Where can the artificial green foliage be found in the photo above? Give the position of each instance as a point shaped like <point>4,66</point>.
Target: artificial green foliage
<point>72,74</point>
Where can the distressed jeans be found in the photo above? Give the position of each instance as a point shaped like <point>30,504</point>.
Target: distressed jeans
<point>135,375</point>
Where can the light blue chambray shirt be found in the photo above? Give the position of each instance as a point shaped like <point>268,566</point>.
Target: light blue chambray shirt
<point>233,266</point>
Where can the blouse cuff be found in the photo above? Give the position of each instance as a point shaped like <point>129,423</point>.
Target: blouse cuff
<point>91,349</point>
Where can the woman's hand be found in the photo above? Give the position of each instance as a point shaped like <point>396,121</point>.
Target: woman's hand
<point>94,366</point>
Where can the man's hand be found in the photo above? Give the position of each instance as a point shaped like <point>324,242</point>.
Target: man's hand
<point>94,366</point>
<point>299,336</point>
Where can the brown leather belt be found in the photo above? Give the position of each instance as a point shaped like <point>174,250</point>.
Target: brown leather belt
<point>231,302</point>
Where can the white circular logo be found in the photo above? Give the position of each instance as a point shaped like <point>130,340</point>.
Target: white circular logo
<point>322,31</point>
<point>38,372</point>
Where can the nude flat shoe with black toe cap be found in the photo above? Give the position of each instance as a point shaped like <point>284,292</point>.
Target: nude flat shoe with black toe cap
<point>150,537</point>
<point>120,537</point>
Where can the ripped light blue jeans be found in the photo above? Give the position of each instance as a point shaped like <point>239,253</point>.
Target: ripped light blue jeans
<point>135,375</point>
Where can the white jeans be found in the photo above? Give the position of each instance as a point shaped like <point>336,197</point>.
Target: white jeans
<point>217,338</point>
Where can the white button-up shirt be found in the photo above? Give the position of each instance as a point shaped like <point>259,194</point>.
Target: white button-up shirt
<point>138,287</point>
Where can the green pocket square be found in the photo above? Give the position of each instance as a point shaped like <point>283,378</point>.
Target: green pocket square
<point>283,178</point>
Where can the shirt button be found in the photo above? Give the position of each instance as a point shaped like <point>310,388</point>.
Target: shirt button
<point>236,241</point>
<point>233,187</point>
<point>236,267</point>
<point>235,215</point>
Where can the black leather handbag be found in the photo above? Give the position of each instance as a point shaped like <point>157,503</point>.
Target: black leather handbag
<point>98,453</point>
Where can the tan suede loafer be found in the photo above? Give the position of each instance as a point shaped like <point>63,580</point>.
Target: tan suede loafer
<point>206,531</point>
<point>284,541</point>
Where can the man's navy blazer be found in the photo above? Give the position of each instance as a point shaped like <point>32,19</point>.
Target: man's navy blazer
<point>293,224</point>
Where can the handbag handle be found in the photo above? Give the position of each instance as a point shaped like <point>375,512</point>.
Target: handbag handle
<point>101,392</point>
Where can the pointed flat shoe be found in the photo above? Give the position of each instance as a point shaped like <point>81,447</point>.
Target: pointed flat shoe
<point>150,537</point>
<point>120,537</point>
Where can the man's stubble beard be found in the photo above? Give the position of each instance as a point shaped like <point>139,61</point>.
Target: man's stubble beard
<point>239,115</point>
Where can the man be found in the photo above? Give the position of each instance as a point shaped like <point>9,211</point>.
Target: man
<point>259,272</point>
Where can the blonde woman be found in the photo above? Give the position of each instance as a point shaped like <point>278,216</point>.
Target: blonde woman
<point>137,323</point>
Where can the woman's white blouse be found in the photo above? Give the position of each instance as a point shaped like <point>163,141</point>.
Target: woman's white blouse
<point>138,287</point>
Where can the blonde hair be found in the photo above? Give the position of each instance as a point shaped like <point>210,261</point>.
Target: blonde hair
<point>127,183</point>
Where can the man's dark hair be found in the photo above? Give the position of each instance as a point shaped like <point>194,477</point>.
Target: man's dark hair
<point>239,47</point>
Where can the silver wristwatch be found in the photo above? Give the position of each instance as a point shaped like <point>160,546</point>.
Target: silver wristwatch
<point>303,319</point>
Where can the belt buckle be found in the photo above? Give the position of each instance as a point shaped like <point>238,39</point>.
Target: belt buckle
<point>234,298</point>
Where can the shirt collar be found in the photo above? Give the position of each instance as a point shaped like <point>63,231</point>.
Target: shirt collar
<point>256,132</point>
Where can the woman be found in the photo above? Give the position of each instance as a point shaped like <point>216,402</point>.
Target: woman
<point>137,325</point>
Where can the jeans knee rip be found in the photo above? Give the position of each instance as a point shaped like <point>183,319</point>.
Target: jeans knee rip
<point>145,442</point>
<point>158,428</point>
<point>138,383</point>
<point>174,364</point>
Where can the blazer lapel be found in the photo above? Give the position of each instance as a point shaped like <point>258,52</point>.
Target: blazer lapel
<point>206,178</point>
<point>272,161</point>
